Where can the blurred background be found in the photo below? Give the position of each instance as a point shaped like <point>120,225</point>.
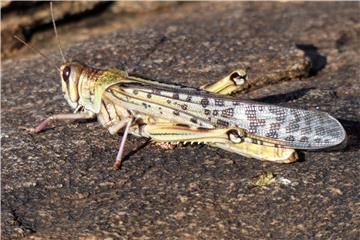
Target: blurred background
<point>76,21</point>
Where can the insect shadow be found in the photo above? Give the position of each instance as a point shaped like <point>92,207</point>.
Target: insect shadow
<point>132,152</point>
<point>318,61</point>
<point>352,129</point>
<point>285,97</point>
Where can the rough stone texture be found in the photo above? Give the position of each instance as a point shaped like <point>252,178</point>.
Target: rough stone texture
<point>60,183</point>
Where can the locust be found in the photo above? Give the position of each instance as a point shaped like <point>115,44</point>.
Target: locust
<point>173,113</point>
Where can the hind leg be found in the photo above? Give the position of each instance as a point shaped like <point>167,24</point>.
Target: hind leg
<point>235,81</point>
<point>231,139</point>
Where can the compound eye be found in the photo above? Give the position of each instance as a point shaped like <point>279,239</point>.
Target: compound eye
<point>66,73</point>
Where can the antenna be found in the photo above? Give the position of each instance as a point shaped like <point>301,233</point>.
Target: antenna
<point>56,35</point>
<point>37,51</point>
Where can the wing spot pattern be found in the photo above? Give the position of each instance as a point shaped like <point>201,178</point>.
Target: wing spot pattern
<point>227,112</point>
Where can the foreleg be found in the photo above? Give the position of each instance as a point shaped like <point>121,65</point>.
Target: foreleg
<point>65,116</point>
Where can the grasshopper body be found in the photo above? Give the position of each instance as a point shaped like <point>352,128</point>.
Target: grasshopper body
<point>173,113</point>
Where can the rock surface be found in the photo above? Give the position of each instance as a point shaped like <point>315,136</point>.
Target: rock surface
<point>60,184</point>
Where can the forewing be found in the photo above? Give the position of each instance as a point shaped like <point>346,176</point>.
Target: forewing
<point>299,129</point>
<point>294,128</point>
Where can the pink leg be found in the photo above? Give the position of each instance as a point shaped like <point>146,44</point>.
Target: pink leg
<point>118,160</point>
<point>65,116</point>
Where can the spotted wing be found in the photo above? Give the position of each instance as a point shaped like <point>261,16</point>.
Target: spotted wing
<point>293,128</point>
